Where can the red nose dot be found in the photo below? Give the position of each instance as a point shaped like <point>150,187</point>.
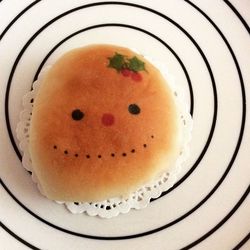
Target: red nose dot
<point>108,119</point>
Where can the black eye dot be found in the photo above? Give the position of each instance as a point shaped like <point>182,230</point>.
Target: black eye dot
<point>152,136</point>
<point>113,155</point>
<point>134,109</point>
<point>124,154</point>
<point>76,155</point>
<point>99,156</point>
<point>144,145</point>
<point>77,114</point>
<point>88,156</point>
<point>133,151</point>
<point>55,147</point>
<point>66,152</point>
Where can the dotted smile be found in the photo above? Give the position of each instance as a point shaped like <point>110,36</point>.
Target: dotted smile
<point>99,156</point>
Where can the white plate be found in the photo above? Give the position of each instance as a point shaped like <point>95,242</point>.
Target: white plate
<point>206,47</point>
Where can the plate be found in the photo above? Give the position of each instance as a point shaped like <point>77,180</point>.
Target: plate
<point>206,47</point>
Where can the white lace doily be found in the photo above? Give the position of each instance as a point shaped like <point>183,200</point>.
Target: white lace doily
<point>111,207</point>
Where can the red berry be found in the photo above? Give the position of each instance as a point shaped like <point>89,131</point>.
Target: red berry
<point>126,72</point>
<point>136,76</point>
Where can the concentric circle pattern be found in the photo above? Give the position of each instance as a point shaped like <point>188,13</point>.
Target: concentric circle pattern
<point>206,47</point>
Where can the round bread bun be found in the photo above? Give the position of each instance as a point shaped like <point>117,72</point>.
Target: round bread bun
<point>104,123</point>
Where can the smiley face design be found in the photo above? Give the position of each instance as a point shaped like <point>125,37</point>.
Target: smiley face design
<point>104,123</point>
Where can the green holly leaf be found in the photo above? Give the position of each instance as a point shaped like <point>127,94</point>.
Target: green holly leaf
<point>136,64</point>
<point>117,62</point>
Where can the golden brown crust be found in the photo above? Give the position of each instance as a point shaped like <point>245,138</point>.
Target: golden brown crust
<point>142,144</point>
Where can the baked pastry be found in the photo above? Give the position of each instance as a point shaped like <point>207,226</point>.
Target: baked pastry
<point>104,123</point>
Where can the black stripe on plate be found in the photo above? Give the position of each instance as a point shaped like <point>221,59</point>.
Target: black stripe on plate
<point>241,129</point>
<point>17,17</point>
<point>17,237</point>
<point>230,5</point>
<point>137,235</point>
<point>238,15</point>
<point>243,197</point>
<point>242,242</point>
